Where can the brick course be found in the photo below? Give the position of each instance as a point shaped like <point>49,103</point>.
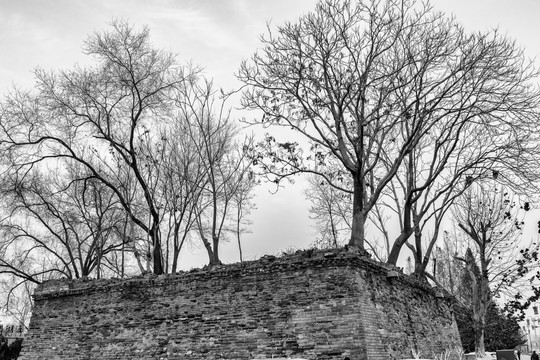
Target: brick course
<point>313,304</point>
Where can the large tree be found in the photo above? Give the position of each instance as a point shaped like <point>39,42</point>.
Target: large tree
<point>330,209</point>
<point>96,117</point>
<point>492,221</point>
<point>367,83</point>
<point>52,225</point>
<point>227,180</point>
<point>502,330</point>
<point>149,131</point>
<point>443,166</point>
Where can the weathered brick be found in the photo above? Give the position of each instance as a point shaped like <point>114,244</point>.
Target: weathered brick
<point>315,305</point>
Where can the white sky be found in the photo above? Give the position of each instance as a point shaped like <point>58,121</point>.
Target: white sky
<point>216,34</point>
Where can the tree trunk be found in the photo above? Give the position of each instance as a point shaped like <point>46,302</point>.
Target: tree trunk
<point>406,232</point>
<point>479,326</point>
<point>212,251</point>
<point>123,260</point>
<point>357,230</point>
<point>238,217</point>
<point>418,259</point>
<point>484,299</point>
<point>398,244</point>
<point>214,260</point>
<point>480,302</point>
<point>333,229</point>
<point>239,245</point>
<point>420,270</point>
<point>156,252</point>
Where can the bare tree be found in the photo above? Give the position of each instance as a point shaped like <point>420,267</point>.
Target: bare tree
<point>446,163</point>
<point>18,299</point>
<point>226,183</point>
<point>367,83</point>
<point>53,227</point>
<point>331,211</point>
<point>243,204</point>
<point>97,117</point>
<point>490,217</point>
<point>181,186</point>
<point>150,132</point>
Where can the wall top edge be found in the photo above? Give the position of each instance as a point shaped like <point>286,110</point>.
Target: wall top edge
<point>302,259</point>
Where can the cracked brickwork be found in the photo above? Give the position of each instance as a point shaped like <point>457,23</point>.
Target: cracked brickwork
<point>312,304</point>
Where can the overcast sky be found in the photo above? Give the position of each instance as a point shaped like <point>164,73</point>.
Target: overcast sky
<point>216,34</point>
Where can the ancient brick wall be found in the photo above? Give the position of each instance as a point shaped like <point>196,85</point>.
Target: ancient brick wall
<point>314,305</point>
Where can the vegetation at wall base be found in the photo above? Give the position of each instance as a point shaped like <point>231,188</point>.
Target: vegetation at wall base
<point>11,351</point>
<point>502,331</point>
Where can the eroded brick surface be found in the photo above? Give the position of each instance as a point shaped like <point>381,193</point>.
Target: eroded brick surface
<point>315,305</point>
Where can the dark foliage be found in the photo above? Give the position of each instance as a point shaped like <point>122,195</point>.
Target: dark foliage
<point>502,331</point>
<point>11,351</point>
<point>14,349</point>
<point>464,322</point>
<point>526,262</point>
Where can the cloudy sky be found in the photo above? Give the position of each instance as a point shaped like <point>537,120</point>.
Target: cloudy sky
<point>218,35</point>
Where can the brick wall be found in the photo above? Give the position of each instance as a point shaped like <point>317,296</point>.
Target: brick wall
<point>314,305</point>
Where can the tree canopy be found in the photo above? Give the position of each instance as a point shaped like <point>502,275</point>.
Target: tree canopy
<point>393,93</point>
<point>131,157</point>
